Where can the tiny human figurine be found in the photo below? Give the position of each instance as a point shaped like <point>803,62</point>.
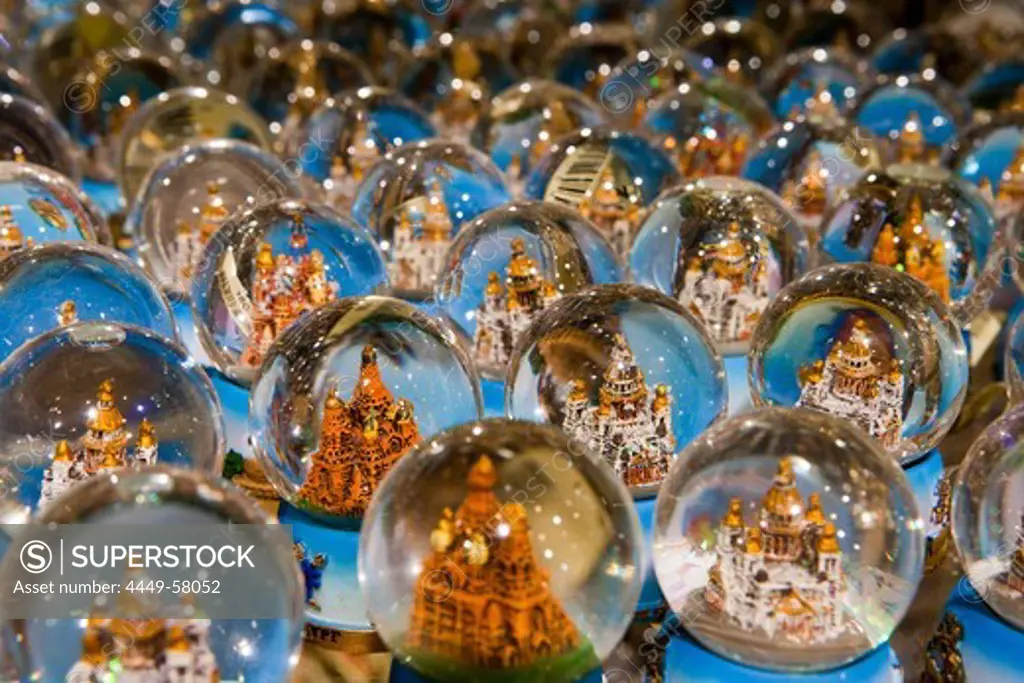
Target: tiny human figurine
<point>313,572</point>
<point>421,240</point>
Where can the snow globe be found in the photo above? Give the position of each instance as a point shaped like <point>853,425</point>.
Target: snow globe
<point>787,540</point>
<point>742,48</point>
<point>263,271</point>
<point>95,397</point>
<point>997,88</point>
<point>915,114</point>
<point>505,508</point>
<point>632,375</point>
<point>850,27</point>
<point>29,132</point>
<point>723,248</point>
<point>811,159</point>
<point>607,175</point>
<point>506,267</point>
<point>524,121</point>
<point>1013,359</point>
<point>920,220</point>
<point>348,134</point>
<point>584,58</point>
<point>793,83</point>
<point>58,284</point>
<point>344,396</point>
<point>417,197</point>
<point>180,117</point>
<point>248,631</point>
<point>14,82</point>
<point>932,48</point>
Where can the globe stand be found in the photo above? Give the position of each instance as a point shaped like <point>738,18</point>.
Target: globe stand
<point>988,647</point>
<point>402,673</point>
<point>652,601</point>
<point>739,385</point>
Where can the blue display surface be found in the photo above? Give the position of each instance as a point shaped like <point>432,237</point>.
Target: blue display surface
<point>234,403</point>
<point>990,647</point>
<point>924,476</point>
<point>651,598</point>
<point>400,673</point>
<point>739,386</point>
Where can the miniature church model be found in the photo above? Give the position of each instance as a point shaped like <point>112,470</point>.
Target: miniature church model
<point>613,214</point>
<point>808,196</point>
<point>103,447</point>
<point>509,309</point>
<point>360,441</point>
<point>710,151</point>
<point>284,287</point>
<point>781,576</point>
<point>459,110</point>
<point>911,146</point>
<point>11,237</point>
<point>1015,575</point>
<point>726,285</point>
<point>854,383</point>
<point>631,428</point>
<point>555,122</point>
<point>500,613</point>
<point>911,250</point>
<point>348,169</point>
<point>192,238</point>
<point>1010,198</point>
<point>421,240</point>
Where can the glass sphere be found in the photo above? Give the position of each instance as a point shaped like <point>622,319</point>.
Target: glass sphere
<point>524,121</point>
<point>270,265</point>
<point>510,264</point>
<point>510,504</point>
<point>607,175</point>
<point>57,284</point>
<point>190,194</point>
<point>29,132</point>
<point>454,79</point>
<point>811,160</point>
<point>916,117</point>
<point>417,197</point>
<point>849,26</point>
<point>866,343</point>
<point>263,650</point>
<point>997,87</point>
<point>921,220</point>
<point>355,384</point>
<point>990,155</point>
<point>138,389</point>
<point>932,48</point>
<point>525,26</point>
<point>14,82</point>
<point>39,205</point>
<point>584,58</point>
<point>614,350</point>
<point>639,81</point>
<point>799,479</point>
<point>104,96</point>
<point>1013,360</point>
<point>723,248</point>
<point>179,117</point>
<point>345,137</point>
<point>741,48</point>
<point>987,517</point>
<point>797,82</point>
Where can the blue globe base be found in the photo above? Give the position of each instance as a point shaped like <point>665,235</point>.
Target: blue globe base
<point>401,673</point>
<point>991,647</point>
<point>739,385</point>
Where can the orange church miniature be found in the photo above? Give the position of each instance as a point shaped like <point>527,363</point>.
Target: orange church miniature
<point>497,611</point>
<point>359,443</point>
<point>911,250</point>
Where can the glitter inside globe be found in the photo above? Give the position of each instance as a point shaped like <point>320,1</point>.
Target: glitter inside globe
<point>991,155</point>
<point>29,132</point>
<point>920,220</point>
<point>585,57</point>
<point>346,136</point>
<point>789,540</point>
<point>417,197</point>
<point>932,48</point>
<point>570,547</point>
<point>988,518</point>
<point>868,344</point>
<point>623,369</point>
<point>94,397</point>
<point>794,82</point>
<point>144,631</point>
<point>270,265</point>
<point>741,48</point>
<point>607,175</point>
<point>57,284</point>
<point>179,117</point>
<point>524,121</point>
<point>810,160</point>
<point>510,264</point>
<point>637,81</point>
<point>723,248</point>
<point>190,194</point>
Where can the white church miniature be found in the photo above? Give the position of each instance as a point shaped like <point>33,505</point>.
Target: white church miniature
<point>783,575</point>
<point>191,239</point>
<point>631,428</point>
<point>421,240</point>
<point>349,169</point>
<point>611,213</point>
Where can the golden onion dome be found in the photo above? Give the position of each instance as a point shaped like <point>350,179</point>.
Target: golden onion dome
<point>828,542</point>
<point>493,284</point>
<point>661,398</point>
<point>177,640</point>
<point>754,543</point>
<point>63,452</point>
<point>579,390</point>
<point>483,476</point>
<point>9,230</point>
<point>146,438</point>
<point>370,428</point>
<point>107,418</point>
<point>734,517</point>
<point>265,257</point>
<point>111,461</point>
<point>520,265</point>
<point>814,515</point>
<point>782,498</point>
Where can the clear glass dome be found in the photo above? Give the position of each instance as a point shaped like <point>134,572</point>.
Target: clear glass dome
<point>918,219</point>
<point>134,388</point>
<point>525,26</point>
<point>15,82</point>
<point>932,47</point>
<point>613,351</point>
<point>417,197</point>
<point>39,205</point>
<point>190,194</point>
<point>482,512</point>
<point>524,121</point>
<point>997,87</point>
<point>105,93</point>
<point>179,117</point>
<point>794,82</point>
<point>350,133</point>
<point>355,384</point>
<point>607,175</point>
<point>268,267</point>
<point>261,650</point>
<point>991,156</point>
<point>811,160</point>
<point>789,539</point>
<point>584,58</point>
<point>723,248</point>
<point>29,132</point>
<point>639,80</point>
<point>987,516</point>
<point>57,284</point>
<point>869,344</point>
<point>510,264</point>
<point>1013,360</point>
<point>741,48</point>
<point>849,26</point>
